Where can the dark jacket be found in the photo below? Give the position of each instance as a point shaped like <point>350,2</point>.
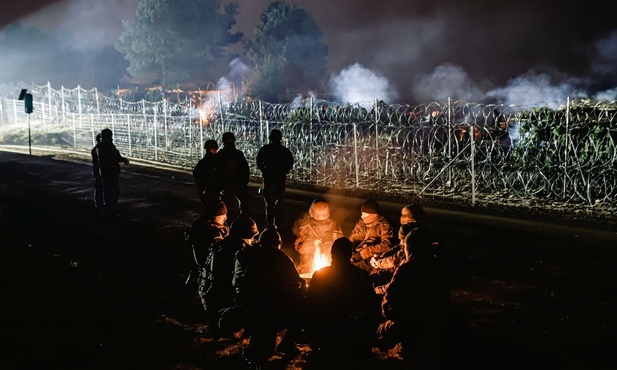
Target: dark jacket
<point>203,173</point>
<point>275,161</point>
<point>267,286</point>
<point>232,169</point>
<point>109,159</point>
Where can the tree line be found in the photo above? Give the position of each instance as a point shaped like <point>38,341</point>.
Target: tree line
<point>188,45</point>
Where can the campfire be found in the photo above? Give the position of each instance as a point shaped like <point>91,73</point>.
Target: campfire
<point>319,260</point>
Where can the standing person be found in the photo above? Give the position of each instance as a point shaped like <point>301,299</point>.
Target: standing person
<point>232,169</point>
<point>205,233</point>
<point>416,304</point>
<point>271,293</point>
<point>96,175</point>
<point>208,186</point>
<point>315,231</point>
<point>109,164</point>
<point>275,161</point>
<point>344,311</point>
<point>372,235</point>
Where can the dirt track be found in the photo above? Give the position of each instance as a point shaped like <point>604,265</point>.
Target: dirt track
<point>86,290</point>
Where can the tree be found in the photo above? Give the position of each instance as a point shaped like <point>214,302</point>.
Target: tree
<point>287,51</point>
<point>178,41</point>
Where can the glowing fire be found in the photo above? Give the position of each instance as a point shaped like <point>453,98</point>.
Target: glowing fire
<point>320,260</point>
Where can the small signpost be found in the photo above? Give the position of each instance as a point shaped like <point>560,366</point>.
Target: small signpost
<point>27,98</point>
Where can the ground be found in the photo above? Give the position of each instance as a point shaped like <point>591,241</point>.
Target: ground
<point>83,289</point>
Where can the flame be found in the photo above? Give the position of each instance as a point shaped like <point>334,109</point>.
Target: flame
<point>320,260</point>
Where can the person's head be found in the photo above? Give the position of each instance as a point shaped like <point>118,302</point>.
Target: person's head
<point>275,135</point>
<point>211,146</point>
<point>229,138</point>
<point>418,244</point>
<point>320,210</point>
<point>270,238</point>
<point>370,211</point>
<point>217,213</point>
<point>244,227</point>
<point>412,213</point>
<point>106,135</point>
<point>341,250</point>
<point>404,230</point>
<point>98,138</point>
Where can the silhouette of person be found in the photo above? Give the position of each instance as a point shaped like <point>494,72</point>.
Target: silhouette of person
<point>416,303</point>
<point>96,176</point>
<point>271,291</point>
<point>208,230</point>
<point>233,170</point>
<point>208,186</point>
<point>275,161</point>
<point>343,311</point>
<point>109,164</point>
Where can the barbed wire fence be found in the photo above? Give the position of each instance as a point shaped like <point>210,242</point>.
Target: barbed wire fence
<point>560,154</point>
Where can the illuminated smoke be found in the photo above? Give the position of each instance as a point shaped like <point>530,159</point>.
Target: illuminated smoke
<point>533,89</point>
<point>446,81</point>
<point>356,84</point>
<point>234,81</point>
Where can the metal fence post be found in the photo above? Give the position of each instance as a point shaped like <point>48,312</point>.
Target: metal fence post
<point>355,153</point>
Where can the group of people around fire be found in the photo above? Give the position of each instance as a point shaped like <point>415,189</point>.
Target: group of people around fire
<point>377,287</point>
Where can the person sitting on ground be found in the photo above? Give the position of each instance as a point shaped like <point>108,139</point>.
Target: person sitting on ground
<point>372,235</point>
<point>271,292</point>
<point>220,264</point>
<point>315,231</point>
<point>342,310</point>
<point>416,304</point>
<point>208,230</point>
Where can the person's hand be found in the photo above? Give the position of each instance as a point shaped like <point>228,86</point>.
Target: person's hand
<point>374,263</point>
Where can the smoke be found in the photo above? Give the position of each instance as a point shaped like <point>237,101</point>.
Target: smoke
<point>356,84</point>
<point>446,81</point>
<point>532,89</point>
<point>233,83</point>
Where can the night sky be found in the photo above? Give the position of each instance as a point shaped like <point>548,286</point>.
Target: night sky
<point>421,48</point>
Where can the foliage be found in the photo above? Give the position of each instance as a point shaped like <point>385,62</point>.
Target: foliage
<point>287,51</point>
<point>177,42</point>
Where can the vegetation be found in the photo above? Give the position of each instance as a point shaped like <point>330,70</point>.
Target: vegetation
<point>176,42</point>
<point>287,52</point>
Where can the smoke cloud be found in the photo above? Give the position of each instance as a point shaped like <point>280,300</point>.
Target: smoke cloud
<point>359,85</point>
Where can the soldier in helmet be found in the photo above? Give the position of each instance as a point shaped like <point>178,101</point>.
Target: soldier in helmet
<point>208,186</point>
<point>315,231</point>
<point>271,292</point>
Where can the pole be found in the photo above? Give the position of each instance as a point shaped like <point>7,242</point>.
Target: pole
<point>29,137</point>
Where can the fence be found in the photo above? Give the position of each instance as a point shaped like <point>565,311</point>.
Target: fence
<point>559,154</point>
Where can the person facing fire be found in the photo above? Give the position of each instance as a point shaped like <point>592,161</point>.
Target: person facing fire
<point>233,170</point>
<point>372,235</point>
<point>274,161</point>
<point>207,231</point>
<point>315,233</point>
<point>341,309</point>
<point>220,265</point>
<point>416,304</point>
<point>271,292</point>
<point>208,185</point>
<point>412,216</point>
